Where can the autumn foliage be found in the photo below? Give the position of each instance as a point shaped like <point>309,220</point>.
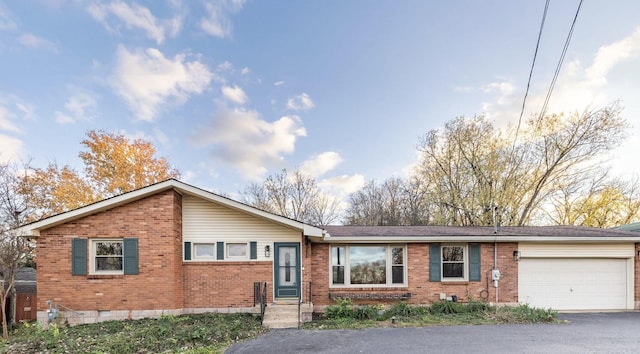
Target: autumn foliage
<point>113,165</point>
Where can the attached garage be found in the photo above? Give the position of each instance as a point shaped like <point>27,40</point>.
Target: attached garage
<point>576,276</point>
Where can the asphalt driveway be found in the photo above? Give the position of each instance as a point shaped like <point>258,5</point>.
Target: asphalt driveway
<point>583,333</point>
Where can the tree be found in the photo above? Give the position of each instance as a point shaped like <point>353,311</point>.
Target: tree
<point>472,169</point>
<point>116,165</point>
<point>112,165</point>
<point>54,190</point>
<point>599,202</point>
<point>14,248</point>
<point>295,196</point>
<point>394,202</point>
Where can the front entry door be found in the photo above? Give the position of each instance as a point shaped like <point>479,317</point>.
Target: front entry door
<point>287,269</point>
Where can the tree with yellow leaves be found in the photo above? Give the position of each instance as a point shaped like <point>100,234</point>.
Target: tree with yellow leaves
<point>113,165</point>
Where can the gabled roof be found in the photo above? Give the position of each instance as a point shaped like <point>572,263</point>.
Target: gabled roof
<point>375,234</point>
<point>182,188</point>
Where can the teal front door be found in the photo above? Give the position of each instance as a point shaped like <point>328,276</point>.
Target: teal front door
<point>287,269</point>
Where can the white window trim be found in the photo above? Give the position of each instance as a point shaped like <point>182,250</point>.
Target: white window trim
<point>388,264</point>
<point>92,269</point>
<point>465,267</point>
<point>236,258</point>
<point>194,255</point>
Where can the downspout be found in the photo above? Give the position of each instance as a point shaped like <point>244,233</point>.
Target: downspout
<point>495,254</point>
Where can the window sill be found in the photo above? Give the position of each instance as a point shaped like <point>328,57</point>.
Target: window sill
<point>455,281</point>
<point>105,276</point>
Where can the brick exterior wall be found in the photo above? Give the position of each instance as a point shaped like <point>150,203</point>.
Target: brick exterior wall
<point>154,221</point>
<point>421,289</point>
<point>224,284</point>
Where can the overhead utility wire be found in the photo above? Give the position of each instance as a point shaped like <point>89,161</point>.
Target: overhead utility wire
<point>533,64</point>
<point>564,52</point>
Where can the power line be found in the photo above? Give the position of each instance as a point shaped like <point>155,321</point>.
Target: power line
<point>533,63</point>
<point>564,52</point>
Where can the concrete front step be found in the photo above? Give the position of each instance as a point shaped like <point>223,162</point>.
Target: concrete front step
<point>286,315</point>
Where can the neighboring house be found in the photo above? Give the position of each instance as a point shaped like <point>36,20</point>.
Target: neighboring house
<point>22,305</point>
<point>174,248</point>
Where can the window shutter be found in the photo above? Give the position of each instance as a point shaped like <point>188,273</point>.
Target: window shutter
<point>130,255</point>
<point>474,262</point>
<point>220,250</point>
<point>79,256</point>
<point>253,249</point>
<point>434,262</point>
<point>187,251</point>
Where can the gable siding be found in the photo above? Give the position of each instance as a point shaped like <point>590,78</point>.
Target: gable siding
<point>205,221</point>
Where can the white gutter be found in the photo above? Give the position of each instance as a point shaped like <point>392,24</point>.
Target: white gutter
<point>500,239</point>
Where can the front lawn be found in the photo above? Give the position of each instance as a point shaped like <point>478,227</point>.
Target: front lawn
<point>205,333</point>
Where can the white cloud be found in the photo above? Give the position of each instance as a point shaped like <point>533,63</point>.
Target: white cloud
<point>320,164</point>
<point>6,120</point>
<point>13,109</point>
<point>250,144</point>
<point>244,71</point>
<point>343,185</point>
<point>134,16</point>
<point>234,94</point>
<point>80,106</point>
<point>34,42</point>
<point>217,22</point>
<point>6,19</point>
<point>146,80</point>
<point>301,102</point>
<point>11,148</point>
<point>610,55</point>
<point>279,83</point>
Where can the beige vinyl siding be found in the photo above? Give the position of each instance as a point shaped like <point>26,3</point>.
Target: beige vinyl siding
<point>572,250</point>
<point>206,222</point>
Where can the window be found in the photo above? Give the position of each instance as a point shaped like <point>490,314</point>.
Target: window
<point>368,265</point>
<point>236,250</point>
<point>204,251</point>
<point>453,263</point>
<point>107,256</point>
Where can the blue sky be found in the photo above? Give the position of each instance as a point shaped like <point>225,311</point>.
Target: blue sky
<point>231,91</point>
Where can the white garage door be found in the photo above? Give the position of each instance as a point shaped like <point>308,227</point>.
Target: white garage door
<point>573,283</point>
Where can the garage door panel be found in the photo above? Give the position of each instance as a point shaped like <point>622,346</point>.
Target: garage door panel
<point>573,284</point>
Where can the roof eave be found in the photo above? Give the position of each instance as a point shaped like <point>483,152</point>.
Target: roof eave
<point>500,239</point>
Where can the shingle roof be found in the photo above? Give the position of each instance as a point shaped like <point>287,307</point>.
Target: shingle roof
<point>475,231</point>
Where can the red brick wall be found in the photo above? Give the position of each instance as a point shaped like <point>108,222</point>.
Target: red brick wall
<point>224,284</point>
<point>422,290</point>
<point>155,221</point>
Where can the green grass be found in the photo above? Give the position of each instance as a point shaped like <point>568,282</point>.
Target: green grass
<point>205,333</point>
<point>442,313</point>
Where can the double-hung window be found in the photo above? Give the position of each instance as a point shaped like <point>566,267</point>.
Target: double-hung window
<point>454,262</point>
<point>107,256</point>
<point>368,265</point>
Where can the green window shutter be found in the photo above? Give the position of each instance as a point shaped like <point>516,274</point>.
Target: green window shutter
<point>220,250</point>
<point>79,256</point>
<point>434,262</point>
<point>474,262</point>
<point>187,251</point>
<point>253,250</point>
<point>130,255</point>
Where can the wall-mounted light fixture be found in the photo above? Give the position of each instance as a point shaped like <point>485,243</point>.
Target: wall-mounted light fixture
<point>516,255</point>
<point>267,251</point>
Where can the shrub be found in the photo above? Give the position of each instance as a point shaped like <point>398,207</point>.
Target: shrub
<point>366,312</point>
<point>444,307</point>
<point>342,309</point>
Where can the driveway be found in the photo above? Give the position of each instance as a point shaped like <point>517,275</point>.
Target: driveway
<point>583,333</point>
